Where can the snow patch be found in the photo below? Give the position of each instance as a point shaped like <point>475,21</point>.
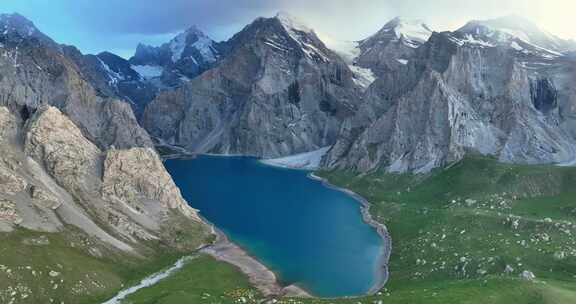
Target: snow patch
<point>290,23</point>
<point>469,39</point>
<point>112,76</point>
<point>362,76</point>
<point>295,29</point>
<point>148,71</point>
<point>414,32</point>
<point>402,61</point>
<point>348,50</point>
<point>516,33</point>
<point>516,46</point>
<point>307,161</point>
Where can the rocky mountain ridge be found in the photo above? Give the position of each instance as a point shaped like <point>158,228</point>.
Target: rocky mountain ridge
<point>184,57</point>
<point>278,90</point>
<point>275,89</point>
<point>482,73</point>
<point>464,91</point>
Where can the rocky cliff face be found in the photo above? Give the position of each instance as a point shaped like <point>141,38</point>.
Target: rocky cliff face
<point>477,89</point>
<point>277,91</point>
<point>137,175</point>
<point>123,198</point>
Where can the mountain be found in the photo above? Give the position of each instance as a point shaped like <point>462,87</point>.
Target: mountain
<point>393,45</point>
<point>386,50</point>
<point>186,56</point>
<point>113,77</point>
<point>277,90</point>
<point>520,29</point>
<point>81,186</point>
<point>15,28</point>
<point>87,206</point>
<point>37,71</point>
<point>468,90</point>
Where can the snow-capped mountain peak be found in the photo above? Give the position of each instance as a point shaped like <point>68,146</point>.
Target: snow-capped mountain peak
<point>184,57</point>
<point>304,36</point>
<point>515,25</point>
<point>510,28</point>
<point>291,23</point>
<point>411,33</point>
<point>412,29</point>
<point>195,39</point>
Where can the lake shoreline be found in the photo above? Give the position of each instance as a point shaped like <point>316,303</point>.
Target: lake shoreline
<point>259,275</point>
<point>264,279</point>
<point>225,250</point>
<point>381,270</point>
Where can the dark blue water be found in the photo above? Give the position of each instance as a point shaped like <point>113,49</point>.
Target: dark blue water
<point>305,232</point>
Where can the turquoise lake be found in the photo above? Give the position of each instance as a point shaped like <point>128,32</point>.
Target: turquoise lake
<point>307,233</point>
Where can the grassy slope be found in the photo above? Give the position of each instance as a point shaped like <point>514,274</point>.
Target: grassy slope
<point>27,258</point>
<point>450,250</point>
<point>454,232</point>
<point>202,280</point>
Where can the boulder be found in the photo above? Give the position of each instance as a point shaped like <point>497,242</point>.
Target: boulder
<point>527,275</point>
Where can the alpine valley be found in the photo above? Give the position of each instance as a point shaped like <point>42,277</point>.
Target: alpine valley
<point>459,147</point>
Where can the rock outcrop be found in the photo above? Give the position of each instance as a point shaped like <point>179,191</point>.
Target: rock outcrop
<point>10,182</point>
<point>54,141</point>
<point>128,191</point>
<point>137,175</point>
<point>8,126</point>
<point>52,176</point>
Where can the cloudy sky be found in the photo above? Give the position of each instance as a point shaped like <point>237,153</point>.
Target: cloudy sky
<point>118,25</point>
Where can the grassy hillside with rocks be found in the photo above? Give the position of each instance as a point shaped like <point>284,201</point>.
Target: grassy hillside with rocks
<point>477,232</point>
<point>70,267</point>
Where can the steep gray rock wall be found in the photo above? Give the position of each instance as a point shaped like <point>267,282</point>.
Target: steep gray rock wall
<point>460,95</point>
<point>278,91</point>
